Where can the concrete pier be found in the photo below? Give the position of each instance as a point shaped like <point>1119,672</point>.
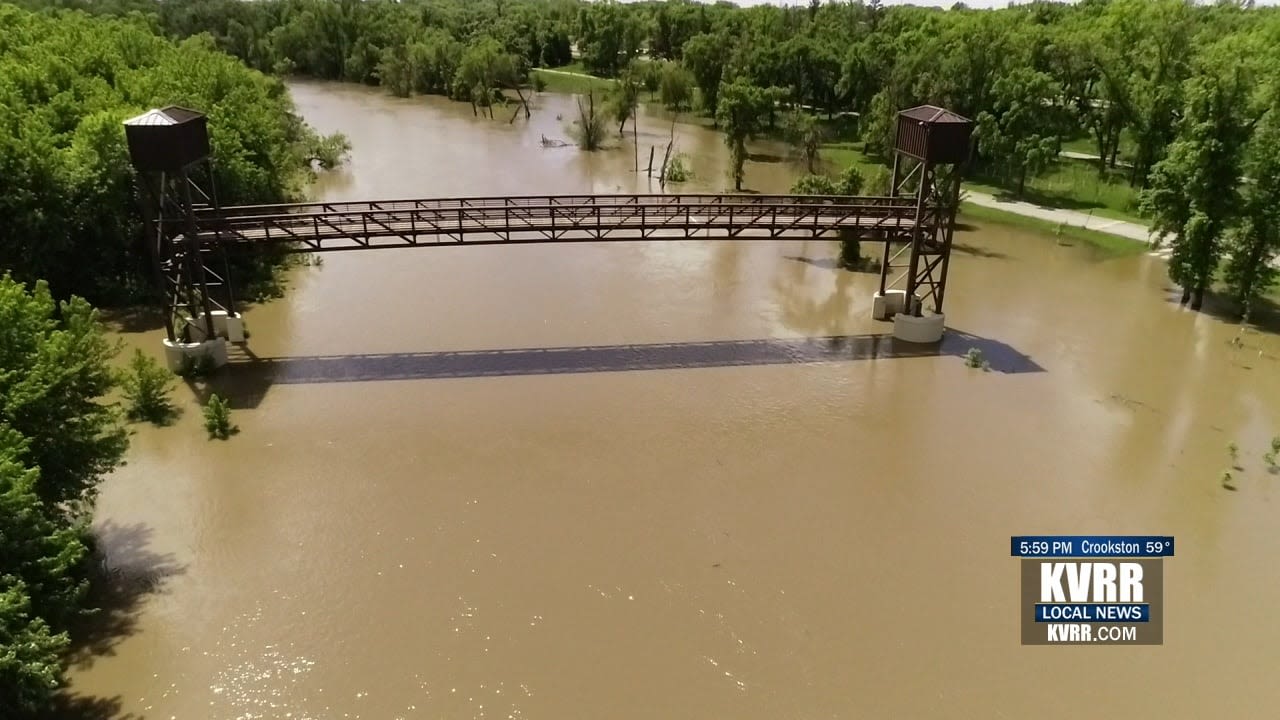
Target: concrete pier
<point>227,328</point>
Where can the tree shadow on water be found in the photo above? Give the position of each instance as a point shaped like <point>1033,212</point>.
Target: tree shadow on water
<point>825,263</point>
<point>135,319</point>
<point>1264,317</point>
<point>126,573</point>
<point>72,706</point>
<point>976,251</point>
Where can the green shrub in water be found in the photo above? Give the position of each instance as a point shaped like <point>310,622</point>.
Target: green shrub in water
<point>217,418</point>
<point>974,359</point>
<point>677,170</point>
<point>146,387</point>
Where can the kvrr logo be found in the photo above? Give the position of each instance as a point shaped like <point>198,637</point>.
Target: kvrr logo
<point>1096,582</point>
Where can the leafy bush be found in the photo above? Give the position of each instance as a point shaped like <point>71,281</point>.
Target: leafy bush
<point>217,418</point>
<point>590,129</point>
<point>974,359</point>
<point>851,254</point>
<point>814,185</point>
<point>146,387</point>
<point>677,170</point>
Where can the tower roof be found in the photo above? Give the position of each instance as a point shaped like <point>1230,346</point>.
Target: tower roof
<point>934,115</point>
<point>171,115</point>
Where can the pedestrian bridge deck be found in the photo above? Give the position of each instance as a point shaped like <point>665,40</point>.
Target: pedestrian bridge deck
<point>326,226</point>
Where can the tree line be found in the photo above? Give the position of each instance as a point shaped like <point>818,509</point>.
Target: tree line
<point>70,229</point>
<point>68,194</point>
<point>58,439</point>
<point>1127,74</point>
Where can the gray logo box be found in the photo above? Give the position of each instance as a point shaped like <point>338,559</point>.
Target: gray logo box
<point>1094,633</point>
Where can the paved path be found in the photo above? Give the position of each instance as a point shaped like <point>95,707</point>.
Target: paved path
<point>571,73</point>
<point>1074,155</point>
<point>1074,218</point>
<point>1122,228</point>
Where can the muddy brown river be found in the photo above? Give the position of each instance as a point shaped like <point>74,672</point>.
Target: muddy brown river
<point>683,480</point>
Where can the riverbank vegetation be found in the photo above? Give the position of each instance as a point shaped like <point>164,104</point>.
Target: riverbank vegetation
<point>217,418</point>
<point>58,439</point>
<point>1123,75</point>
<point>1105,243</point>
<point>67,190</point>
<point>147,385</point>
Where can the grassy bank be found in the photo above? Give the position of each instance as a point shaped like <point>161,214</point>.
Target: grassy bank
<point>1074,185</point>
<point>1111,245</point>
<point>567,80</point>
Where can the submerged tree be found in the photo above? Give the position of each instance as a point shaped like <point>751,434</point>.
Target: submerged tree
<point>675,88</point>
<point>589,130</point>
<point>849,184</point>
<point>146,388</point>
<point>217,418</point>
<point>741,113</point>
<point>625,98</point>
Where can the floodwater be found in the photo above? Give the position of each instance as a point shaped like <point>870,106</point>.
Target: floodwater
<point>698,507</point>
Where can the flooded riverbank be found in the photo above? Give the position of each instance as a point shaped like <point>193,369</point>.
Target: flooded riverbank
<point>721,496</point>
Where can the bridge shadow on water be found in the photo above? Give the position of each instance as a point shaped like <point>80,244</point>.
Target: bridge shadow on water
<point>246,380</point>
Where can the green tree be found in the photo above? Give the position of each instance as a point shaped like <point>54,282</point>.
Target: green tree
<point>805,135</point>
<point>851,181</point>
<point>880,125</point>
<point>741,111</point>
<point>1250,269</point>
<point>814,185</point>
<point>704,56</point>
<point>217,418</point>
<point>39,546</point>
<point>146,387</point>
<point>484,69</point>
<point>609,37</point>
<point>1144,60</point>
<point>1194,191</point>
<point>30,659</point>
<point>57,438</point>
<point>67,192</point>
<point>1021,136</point>
<point>877,182</point>
<point>625,98</point>
<point>54,372</point>
<point>675,89</point>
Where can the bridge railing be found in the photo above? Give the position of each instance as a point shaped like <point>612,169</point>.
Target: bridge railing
<point>559,218</point>
<point>552,200</point>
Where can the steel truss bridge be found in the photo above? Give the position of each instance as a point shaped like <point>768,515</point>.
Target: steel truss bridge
<point>190,235</point>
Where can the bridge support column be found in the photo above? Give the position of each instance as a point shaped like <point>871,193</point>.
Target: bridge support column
<point>925,328</point>
<point>889,303</point>
<point>226,325</point>
<point>198,348</point>
<point>180,356</point>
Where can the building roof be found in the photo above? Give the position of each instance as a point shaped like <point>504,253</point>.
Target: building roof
<point>172,115</point>
<point>934,115</point>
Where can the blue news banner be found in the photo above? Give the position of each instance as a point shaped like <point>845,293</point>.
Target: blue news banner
<point>1092,588</point>
<point>1087,546</point>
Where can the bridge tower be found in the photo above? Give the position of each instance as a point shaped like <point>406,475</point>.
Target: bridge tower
<point>169,149</point>
<point>930,151</point>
